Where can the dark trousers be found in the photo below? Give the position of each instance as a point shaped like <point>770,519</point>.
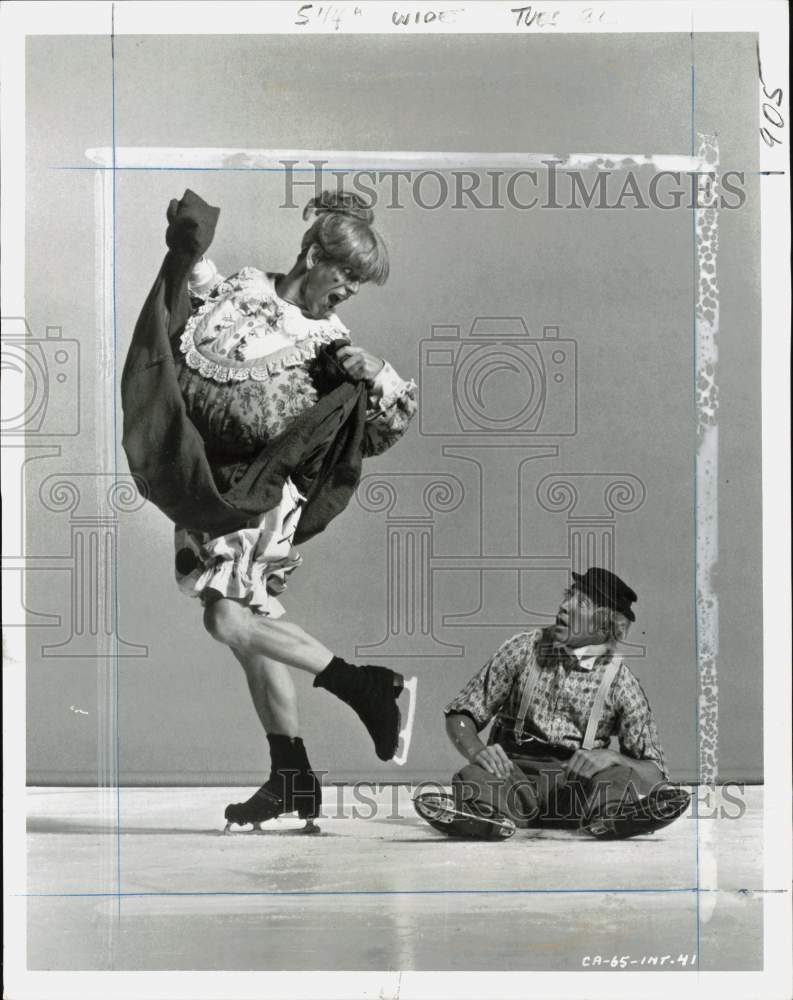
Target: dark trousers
<point>539,793</point>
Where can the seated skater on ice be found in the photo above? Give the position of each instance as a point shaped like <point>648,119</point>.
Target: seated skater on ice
<point>558,695</point>
<point>268,390</point>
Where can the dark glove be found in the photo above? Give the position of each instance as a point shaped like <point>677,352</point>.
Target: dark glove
<point>191,224</point>
<point>325,371</point>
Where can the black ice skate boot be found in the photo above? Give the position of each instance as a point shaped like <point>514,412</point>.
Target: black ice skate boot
<point>372,693</point>
<point>473,820</point>
<point>634,819</point>
<point>291,787</point>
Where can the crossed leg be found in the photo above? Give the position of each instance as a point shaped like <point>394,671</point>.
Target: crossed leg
<point>371,691</point>
<point>539,792</point>
<point>266,648</point>
<point>253,636</point>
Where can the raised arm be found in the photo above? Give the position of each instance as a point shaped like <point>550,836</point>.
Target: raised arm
<point>203,279</point>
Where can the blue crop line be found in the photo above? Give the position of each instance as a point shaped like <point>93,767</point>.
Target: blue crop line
<point>353,892</point>
<point>116,701</point>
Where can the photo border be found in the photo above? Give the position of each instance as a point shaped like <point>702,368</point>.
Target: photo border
<point>769,20</point>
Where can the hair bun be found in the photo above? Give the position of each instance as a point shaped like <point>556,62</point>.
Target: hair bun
<point>339,203</point>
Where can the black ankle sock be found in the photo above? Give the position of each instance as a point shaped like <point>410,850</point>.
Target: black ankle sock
<point>336,668</point>
<point>281,741</point>
<point>285,751</point>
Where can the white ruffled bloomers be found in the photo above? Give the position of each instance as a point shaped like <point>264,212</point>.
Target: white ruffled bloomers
<point>250,565</point>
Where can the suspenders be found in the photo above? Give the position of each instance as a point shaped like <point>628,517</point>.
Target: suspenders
<point>600,700</point>
<point>530,683</point>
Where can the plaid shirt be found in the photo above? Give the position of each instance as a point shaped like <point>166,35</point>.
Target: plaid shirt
<point>562,699</point>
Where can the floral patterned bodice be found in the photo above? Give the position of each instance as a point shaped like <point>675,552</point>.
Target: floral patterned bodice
<point>244,369</point>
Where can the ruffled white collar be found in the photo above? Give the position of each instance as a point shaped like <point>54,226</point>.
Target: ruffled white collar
<point>245,330</point>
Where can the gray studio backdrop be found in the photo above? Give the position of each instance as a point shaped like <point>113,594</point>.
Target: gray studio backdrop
<point>419,570</point>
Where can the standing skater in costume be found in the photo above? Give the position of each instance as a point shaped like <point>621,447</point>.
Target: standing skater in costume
<point>285,408</point>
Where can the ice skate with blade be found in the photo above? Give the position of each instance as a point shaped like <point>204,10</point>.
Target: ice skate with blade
<point>373,692</point>
<point>471,819</point>
<point>291,787</point>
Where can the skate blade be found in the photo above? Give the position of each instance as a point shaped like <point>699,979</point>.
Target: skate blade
<point>441,813</point>
<point>431,807</point>
<point>406,733</point>
<point>254,828</point>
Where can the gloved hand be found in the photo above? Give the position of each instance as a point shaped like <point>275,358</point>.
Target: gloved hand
<point>327,372</point>
<point>191,224</point>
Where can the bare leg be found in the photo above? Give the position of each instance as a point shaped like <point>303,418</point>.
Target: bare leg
<point>371,691</point>
<point>292,784</point>
<point>256,636</point>
<point>273,693</point>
